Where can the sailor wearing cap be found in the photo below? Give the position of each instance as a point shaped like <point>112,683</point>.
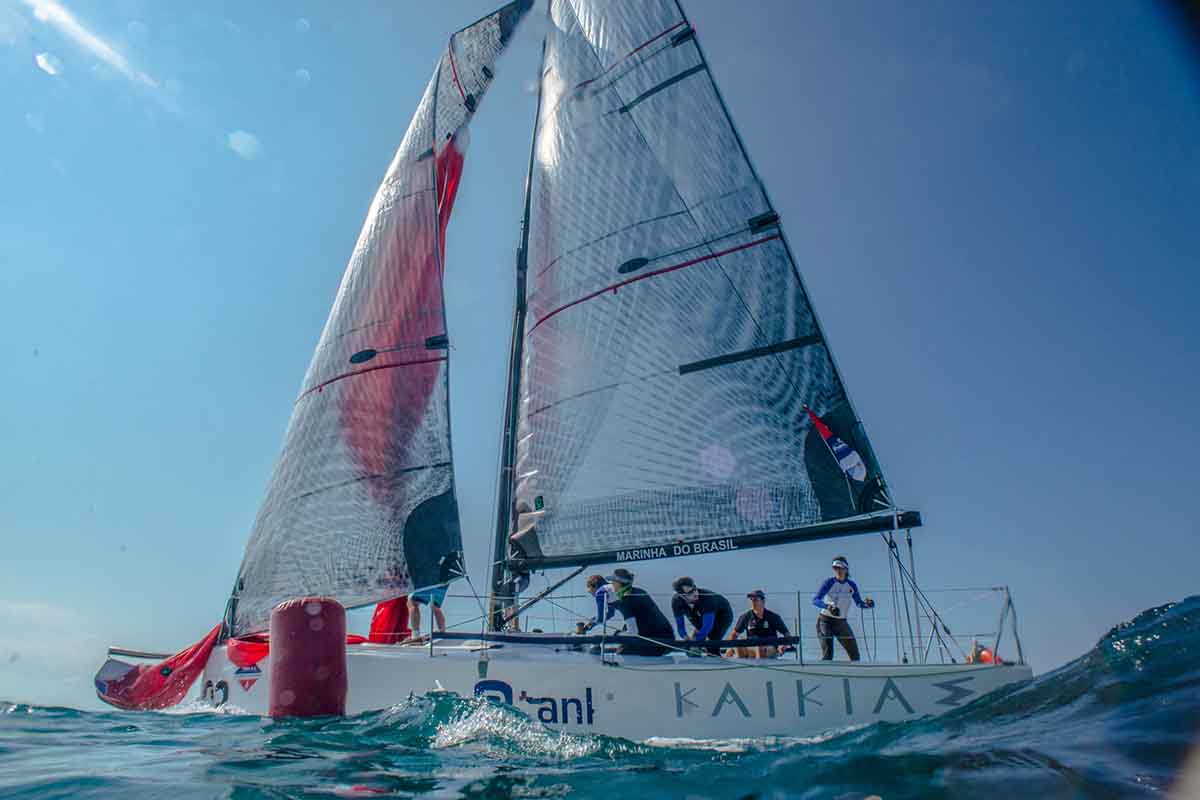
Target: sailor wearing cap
<point>834,599</point>
<point>642,616</point>
<point>709,613</point>
<point>759,623</point>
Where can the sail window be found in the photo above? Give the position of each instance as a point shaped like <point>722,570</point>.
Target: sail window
<point>469,102</point>
<point>487,72</point>
<point>437,342</point>
<point>746,355</point>
<point>363,356</point>
<point>632,265</point>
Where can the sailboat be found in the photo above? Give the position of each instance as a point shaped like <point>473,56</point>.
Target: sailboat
<point>670,393</point>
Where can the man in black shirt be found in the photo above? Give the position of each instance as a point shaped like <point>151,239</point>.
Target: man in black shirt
<point>709,613</point>
<point>642,616</point>
<point>759,623</point>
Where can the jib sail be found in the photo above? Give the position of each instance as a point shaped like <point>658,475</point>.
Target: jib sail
<point>361,505</point>
<point>676,387</point>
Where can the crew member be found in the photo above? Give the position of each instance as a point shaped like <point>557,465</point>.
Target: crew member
<point>643,619</point>
<point>834,599</point>
<point>760,623</point>
<point>433,597</point>
<point>709,613</point>
<point>606,603</point>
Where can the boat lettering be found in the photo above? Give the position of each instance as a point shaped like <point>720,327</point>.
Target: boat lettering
<point>746,701</point>
<point>954,692</point>
<point>550,710</point>
<point>676,550</point>
<point>641,553</point>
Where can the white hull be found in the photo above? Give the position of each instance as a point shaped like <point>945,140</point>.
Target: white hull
<point>637,697</point>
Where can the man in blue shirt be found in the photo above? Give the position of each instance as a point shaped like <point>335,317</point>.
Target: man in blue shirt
<point>710,613</point>
<point>834,599</point>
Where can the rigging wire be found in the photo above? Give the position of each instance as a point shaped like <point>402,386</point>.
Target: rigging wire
<point>904,593</point>
<point>895,604</point>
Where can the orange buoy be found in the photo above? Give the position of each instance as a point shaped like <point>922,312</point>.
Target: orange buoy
<point>308,658</point>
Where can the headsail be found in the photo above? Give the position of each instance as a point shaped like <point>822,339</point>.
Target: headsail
<point>361,505</point>
<point>670,348</point>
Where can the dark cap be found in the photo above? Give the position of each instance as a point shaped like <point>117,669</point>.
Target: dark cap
<point>759,593</point>
<point>621,575</point>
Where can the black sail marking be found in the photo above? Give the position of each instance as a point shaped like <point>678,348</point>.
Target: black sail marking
<point>674,79</point>
<point>745,355</point>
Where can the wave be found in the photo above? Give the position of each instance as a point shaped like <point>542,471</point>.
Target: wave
<point>1118,721</point>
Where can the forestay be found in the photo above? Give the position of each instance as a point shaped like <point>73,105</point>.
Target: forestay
<point>361,505</point>
<point>670,348</point>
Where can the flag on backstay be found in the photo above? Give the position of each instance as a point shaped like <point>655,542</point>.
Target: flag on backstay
<point>846,456</point>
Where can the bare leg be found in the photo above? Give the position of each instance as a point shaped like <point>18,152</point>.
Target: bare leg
<point>414,618</point>
<point>439,617</point>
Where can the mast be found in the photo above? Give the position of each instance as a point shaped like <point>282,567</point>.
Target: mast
<point>504,494</point>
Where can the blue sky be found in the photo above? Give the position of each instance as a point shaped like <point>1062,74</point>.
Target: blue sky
<point>994,207</point>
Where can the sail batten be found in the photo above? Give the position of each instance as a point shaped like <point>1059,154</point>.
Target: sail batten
<point>670,351</point>
<point>361,505</point>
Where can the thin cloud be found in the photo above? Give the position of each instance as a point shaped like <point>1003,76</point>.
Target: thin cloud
<point>245,144</point>
<point>48,63</point>
<point>54,14</point>
<point>14,26</point>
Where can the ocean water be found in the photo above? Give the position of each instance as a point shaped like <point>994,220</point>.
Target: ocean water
<point>1117,722</point>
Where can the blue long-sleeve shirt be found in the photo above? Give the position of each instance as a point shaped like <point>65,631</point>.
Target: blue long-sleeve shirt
<point>606,604</point>
<point>710,612</point>
<point>706,625</point>
<point>840,593</point>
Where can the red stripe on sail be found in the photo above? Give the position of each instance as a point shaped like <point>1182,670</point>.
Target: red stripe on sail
<point>454,69</point>
<point>652,274</point>
<point>632,52</point>
<point>365,370</point>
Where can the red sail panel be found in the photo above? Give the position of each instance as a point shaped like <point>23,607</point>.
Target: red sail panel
<point>389,623</point>
<point>148,687</point>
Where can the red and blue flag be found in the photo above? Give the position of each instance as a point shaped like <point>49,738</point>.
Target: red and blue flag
<point>846,456</point>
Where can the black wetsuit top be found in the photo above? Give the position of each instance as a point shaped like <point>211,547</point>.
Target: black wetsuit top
<point>639,606</point>
<point>768,627</point>
<point>707,603</point>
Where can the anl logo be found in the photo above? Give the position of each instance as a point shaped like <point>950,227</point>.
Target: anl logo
<point>550,710</point>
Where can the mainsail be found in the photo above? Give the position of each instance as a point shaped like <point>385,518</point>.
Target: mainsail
<point>670,352</point>
<point>361,505</point>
